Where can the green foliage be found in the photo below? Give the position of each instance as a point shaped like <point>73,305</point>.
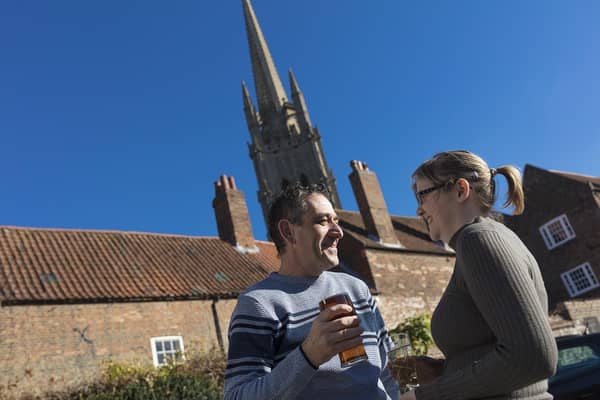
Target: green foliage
<point>419,331</point>
<point>172,386</point>
<point>200,377</point>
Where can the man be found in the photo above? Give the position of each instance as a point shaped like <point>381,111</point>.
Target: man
<point>280,345</point>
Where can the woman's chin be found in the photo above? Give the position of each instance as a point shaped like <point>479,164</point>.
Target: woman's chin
<point>434,237</point>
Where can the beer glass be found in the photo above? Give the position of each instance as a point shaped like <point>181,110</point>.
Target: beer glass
<point>402,365</point>
<point>357,353</point>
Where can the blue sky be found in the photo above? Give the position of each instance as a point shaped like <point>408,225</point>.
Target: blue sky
<point>120,115</point>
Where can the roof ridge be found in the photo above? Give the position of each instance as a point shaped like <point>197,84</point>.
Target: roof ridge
<point>85,230</point>
<point>556,171</point>
<point>264,241</point>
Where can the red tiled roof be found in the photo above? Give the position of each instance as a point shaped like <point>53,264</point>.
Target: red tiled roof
<point>60,265</point>
<point>411,232</point>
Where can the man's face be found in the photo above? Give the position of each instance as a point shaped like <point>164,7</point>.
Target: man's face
<point>315,240</point>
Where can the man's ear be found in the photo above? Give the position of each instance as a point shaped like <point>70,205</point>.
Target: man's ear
<point>463,189</point>
<point>286,230</point>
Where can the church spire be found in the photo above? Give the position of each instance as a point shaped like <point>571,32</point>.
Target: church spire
<point>285,147</point>
<point>269,89</point>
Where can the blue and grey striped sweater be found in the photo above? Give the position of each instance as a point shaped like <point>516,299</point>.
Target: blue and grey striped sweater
<point>270,321</point>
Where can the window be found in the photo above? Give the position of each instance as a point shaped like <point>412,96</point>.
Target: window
<point>166,349</point>
<point>580,279</point>
<point>557,231</point>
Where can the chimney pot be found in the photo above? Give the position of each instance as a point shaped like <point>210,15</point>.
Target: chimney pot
<point>359,165</point>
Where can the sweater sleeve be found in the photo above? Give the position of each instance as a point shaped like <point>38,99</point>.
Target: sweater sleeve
<point>389,382</point>
<point>498,279</point>
<point>251,373</point>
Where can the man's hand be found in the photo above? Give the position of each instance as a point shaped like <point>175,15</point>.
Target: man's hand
<point>334,330</point>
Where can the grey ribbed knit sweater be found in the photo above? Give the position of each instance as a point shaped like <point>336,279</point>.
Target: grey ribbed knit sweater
<point>491,322</point>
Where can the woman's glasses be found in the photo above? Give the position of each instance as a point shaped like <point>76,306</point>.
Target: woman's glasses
<point>420,195</point>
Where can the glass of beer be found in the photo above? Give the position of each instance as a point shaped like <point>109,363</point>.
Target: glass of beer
<point>355,354</point>
<point>402,365</point>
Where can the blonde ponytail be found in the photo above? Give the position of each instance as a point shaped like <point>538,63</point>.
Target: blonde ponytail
<point>514,194</point>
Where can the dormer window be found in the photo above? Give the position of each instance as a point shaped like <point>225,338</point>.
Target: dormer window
<point>557,231</point>
<point>580,279</point>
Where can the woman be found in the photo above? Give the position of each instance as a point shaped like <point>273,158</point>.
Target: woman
<point>491,322</point>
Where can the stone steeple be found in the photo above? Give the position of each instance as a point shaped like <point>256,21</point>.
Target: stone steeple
<point>284,147</point>
<point>269,89</point>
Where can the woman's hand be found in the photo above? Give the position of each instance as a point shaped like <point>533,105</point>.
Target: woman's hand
<point>410,395</point>
<point>428,368</point>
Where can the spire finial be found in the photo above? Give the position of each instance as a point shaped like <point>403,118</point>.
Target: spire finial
<point>248,107</point>
<point>293,82</point>
<point>299,102</point>
<point>246,95</point>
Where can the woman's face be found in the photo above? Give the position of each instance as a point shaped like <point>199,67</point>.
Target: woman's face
<point>433,207</point>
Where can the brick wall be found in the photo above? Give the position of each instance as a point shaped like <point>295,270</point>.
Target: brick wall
<point>409,284</point>
<point>549,196</point>
<point>585,247</point>
<point>53,346</point>
<point>578,310</point>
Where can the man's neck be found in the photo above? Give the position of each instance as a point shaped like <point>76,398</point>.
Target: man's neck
<point>290,267</point>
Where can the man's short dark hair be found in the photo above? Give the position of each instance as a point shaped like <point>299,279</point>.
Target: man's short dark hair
<point>291,204</point>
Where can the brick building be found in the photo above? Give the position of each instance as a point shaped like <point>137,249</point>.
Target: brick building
<point>73,299</point>
<point>561,227</point>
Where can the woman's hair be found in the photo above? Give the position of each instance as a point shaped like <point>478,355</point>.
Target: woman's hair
<point>449,166</point>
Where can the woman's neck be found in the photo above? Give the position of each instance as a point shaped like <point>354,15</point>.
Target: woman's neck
<point>463,216</point>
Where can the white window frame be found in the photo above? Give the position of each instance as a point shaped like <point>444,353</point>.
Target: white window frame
<point>585,274</point>
<point>564,225</point>
<point>163,339</point>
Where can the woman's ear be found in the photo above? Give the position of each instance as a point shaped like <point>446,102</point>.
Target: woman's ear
<point>463,189</point>
<point>286,230</point>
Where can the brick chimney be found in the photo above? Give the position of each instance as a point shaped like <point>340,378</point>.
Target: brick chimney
<point>231,213</point>
<point>372,205</point>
